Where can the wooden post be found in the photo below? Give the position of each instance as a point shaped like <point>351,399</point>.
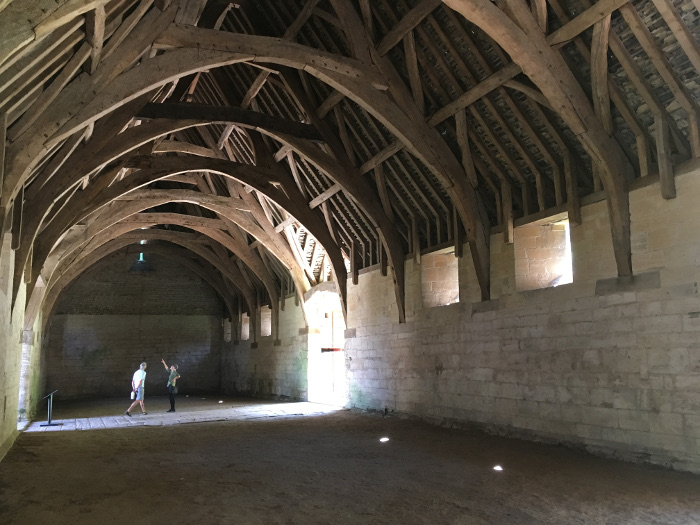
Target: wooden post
<point>663,154</point>
<point>458,237</point>
<point>353,263</point>
<point>507,207</point>
<point>572,194</point>
<point>17,215</point>
<point>415,240</point>
<point>3,138</point>
<point>382,260</point>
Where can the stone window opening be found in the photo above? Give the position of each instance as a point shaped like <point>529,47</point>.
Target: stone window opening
<point>543,257</point>
<point>245,327</point>
<point>265,321</point>
<point>440,278</point>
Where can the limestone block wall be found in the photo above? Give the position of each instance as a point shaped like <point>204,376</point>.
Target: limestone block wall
<point>270,368</point>
<point>96,355</point>
<point>113,318</point>
<point>609,364</point>
<point>11,321</point>
<point>33,372</point>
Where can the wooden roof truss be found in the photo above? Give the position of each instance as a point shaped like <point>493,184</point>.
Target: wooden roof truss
<point>273,145</point>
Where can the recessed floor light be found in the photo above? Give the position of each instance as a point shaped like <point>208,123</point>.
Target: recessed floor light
<point>498,467</point>
<point>384,440</point>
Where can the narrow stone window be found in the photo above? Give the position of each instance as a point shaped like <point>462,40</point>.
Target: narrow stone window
<point>245,327</point>
<point>227,330</point>
<point>440,278</point>
<point>265,321</point>
<point>543,254</point>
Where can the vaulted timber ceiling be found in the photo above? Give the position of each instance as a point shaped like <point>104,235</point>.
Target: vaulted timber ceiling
<point>270,145</point>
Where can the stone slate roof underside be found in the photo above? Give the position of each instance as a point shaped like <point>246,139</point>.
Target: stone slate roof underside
<point>272,145</point>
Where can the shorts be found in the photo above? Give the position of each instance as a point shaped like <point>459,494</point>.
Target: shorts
<point>140,393</point>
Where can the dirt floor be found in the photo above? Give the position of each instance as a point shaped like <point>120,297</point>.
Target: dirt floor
<point>266,463</point>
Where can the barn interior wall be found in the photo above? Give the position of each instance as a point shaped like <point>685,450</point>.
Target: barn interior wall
<point>11,320</point>
<point>609,364</point>
<point>270,368</point>
<point>33,372</point>
<point>114,317</point>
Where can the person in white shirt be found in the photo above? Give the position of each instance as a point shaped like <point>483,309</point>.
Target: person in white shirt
<point>137,385</point>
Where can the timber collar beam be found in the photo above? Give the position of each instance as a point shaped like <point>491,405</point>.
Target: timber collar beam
<point>227,114</point>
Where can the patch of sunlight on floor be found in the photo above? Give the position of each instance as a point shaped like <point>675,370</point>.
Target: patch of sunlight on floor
<point>196,410</point>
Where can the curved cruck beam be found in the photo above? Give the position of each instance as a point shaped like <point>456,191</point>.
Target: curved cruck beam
<point>107,247</point>
<point>222,205</point>
<point>83,102</point>
<point>186,240</point>
<point>423,142</point>
<point>352,78</point>
<point>122,233</point>
<point>525,42</point>
<point>359,190</point>
<point>114,213</point>
<point>87,159</point>
<point>144,199</point>
<point>258,178</point>
<point>97,195</point>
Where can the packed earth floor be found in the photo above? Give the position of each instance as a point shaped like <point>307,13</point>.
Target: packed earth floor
<point>231,461</point>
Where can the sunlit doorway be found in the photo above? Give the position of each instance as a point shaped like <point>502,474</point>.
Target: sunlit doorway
<point>327,380</point>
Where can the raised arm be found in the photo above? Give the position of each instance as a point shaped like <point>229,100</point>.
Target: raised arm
<point>163,361</point>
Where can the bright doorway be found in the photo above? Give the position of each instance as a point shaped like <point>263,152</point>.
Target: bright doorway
<point>327,380</point>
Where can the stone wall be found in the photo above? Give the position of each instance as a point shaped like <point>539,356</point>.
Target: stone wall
<point>10,347</point>
<point>96,355</point>
<point>270,368</point>
<point>609,364</point>
<point>113,318</point>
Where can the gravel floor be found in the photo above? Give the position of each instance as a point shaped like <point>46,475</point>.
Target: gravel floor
<point>300,463</point>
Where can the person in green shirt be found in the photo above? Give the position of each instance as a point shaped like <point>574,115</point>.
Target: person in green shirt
<point>172,389</point>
